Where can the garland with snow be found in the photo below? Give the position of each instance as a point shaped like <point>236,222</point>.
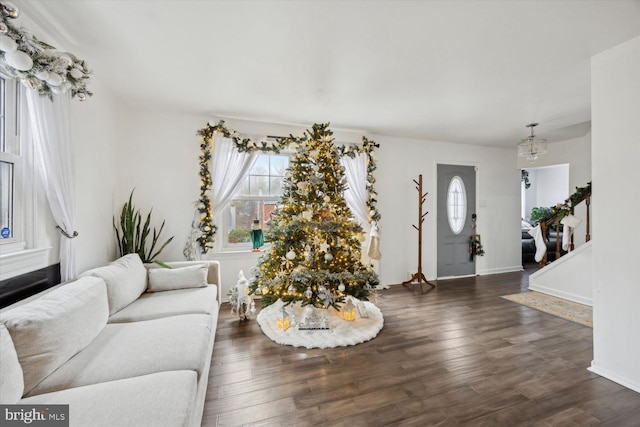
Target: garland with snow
<point>37,64</point>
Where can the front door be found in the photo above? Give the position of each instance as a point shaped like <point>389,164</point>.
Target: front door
<point>456,205</point>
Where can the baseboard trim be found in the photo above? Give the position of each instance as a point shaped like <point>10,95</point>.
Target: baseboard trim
<point>500,270</point>
<point>632,385</point>
<point>560,294</point>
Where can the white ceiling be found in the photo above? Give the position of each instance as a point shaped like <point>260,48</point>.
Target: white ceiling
<point>462,71</point>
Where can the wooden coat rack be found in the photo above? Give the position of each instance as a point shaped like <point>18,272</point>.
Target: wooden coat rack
<point>419,276</point>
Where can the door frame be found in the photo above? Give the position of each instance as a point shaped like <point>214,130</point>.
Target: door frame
<point>434,174</point>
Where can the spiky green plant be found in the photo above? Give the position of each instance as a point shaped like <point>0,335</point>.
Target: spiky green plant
<point>131,238</point>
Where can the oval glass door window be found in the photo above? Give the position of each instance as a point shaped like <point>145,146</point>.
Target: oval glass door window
<point>456,204</point>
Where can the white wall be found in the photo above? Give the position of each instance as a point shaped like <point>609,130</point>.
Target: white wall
<point>400,161</point>
<point>553,184</point>
<point>615,94</point>
<point>96,134</point>
<point>569,277</point>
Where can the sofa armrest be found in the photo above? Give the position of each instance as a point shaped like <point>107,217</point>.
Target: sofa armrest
<point>213,275</point>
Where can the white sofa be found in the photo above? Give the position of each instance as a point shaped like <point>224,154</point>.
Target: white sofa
<point>124,345</point>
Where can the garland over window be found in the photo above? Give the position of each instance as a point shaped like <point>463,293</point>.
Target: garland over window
<point>36,64</point>
<point>206,226</point>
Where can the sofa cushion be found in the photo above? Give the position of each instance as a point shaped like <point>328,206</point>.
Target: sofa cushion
<point>126,350</point>
<point>161,399</point>
<point>126,280</point>
<point>155,305</point>
<point>48,331</point>
<point>12,384</point>
<point>168,279</point>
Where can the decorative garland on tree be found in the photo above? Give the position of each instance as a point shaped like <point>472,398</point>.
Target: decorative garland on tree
<point>246,145</point>
<point>37,64</point>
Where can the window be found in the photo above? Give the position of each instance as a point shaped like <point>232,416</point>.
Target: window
<point>257,198</point>
<point>456,204</point>
<point>10,164</point>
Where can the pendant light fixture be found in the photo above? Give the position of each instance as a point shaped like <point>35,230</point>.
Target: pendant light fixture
<point>531,147</point>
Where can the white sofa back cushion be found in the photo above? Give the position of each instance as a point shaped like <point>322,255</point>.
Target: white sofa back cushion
<point>168,279</point>
<point>126,280</point>
<point>50,330</point>
<point>12,383</point>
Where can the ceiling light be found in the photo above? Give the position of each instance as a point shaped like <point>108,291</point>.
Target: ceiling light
<point>531,147</point>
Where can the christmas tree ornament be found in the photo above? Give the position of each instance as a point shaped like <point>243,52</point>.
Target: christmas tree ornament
<point>322,289</point>
<point>328,256</point>
<point>7,44</point>
<point>341,287</point>
<point>9,10</point>
<point>19,60</point>
<point>42,75</point>
<point>76,73</point>
<point>374,242</point>
<point>291,289</point>
<point>308,293</point>
<point>291,255</point>
<point>54,79</point>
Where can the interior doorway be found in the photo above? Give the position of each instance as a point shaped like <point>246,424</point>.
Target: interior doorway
<point>543,187</point>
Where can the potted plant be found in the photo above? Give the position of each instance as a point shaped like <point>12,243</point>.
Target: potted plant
<point>132,238</point>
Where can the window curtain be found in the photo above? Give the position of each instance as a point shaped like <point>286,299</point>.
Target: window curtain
<point>229,167</point>
<point>53,157</point>
<point>355,171</point>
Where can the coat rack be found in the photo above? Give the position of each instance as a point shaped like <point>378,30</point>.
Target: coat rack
<point>419,276</point>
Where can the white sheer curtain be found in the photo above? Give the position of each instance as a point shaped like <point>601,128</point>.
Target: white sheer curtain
<point>228,168</point>
<point>355,170</point>
<point>53,157</point>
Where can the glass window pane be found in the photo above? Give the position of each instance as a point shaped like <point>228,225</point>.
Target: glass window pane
<point>261,166</point>
<point>276,186</point>
<point>240,216</point>
<point>279,165</point>
<point>6,200</point>
<point>258,185</point>
<point>456,204</point>
<point>3,116</point>
<point>244,187</point>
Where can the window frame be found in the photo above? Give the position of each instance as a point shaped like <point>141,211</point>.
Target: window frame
<point>456,224</point>
<point>224,229</point>
<point>11,151</point>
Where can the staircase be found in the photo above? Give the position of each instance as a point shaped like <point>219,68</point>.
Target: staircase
<point>552,224</point>
<point>569,276</point>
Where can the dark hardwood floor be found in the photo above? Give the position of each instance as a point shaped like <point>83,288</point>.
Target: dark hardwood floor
<point>457,355</point>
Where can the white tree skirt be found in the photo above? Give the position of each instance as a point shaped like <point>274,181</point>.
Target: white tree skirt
<point>341,332</point>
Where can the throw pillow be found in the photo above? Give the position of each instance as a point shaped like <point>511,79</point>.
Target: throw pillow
<point>126,280</point>
<point>167,279</point>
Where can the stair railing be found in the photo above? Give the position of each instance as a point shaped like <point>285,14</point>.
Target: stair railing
<point>545,227</point>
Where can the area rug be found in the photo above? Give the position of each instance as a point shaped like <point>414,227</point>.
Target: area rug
<point>569,310</point>
<point>340,332</point>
